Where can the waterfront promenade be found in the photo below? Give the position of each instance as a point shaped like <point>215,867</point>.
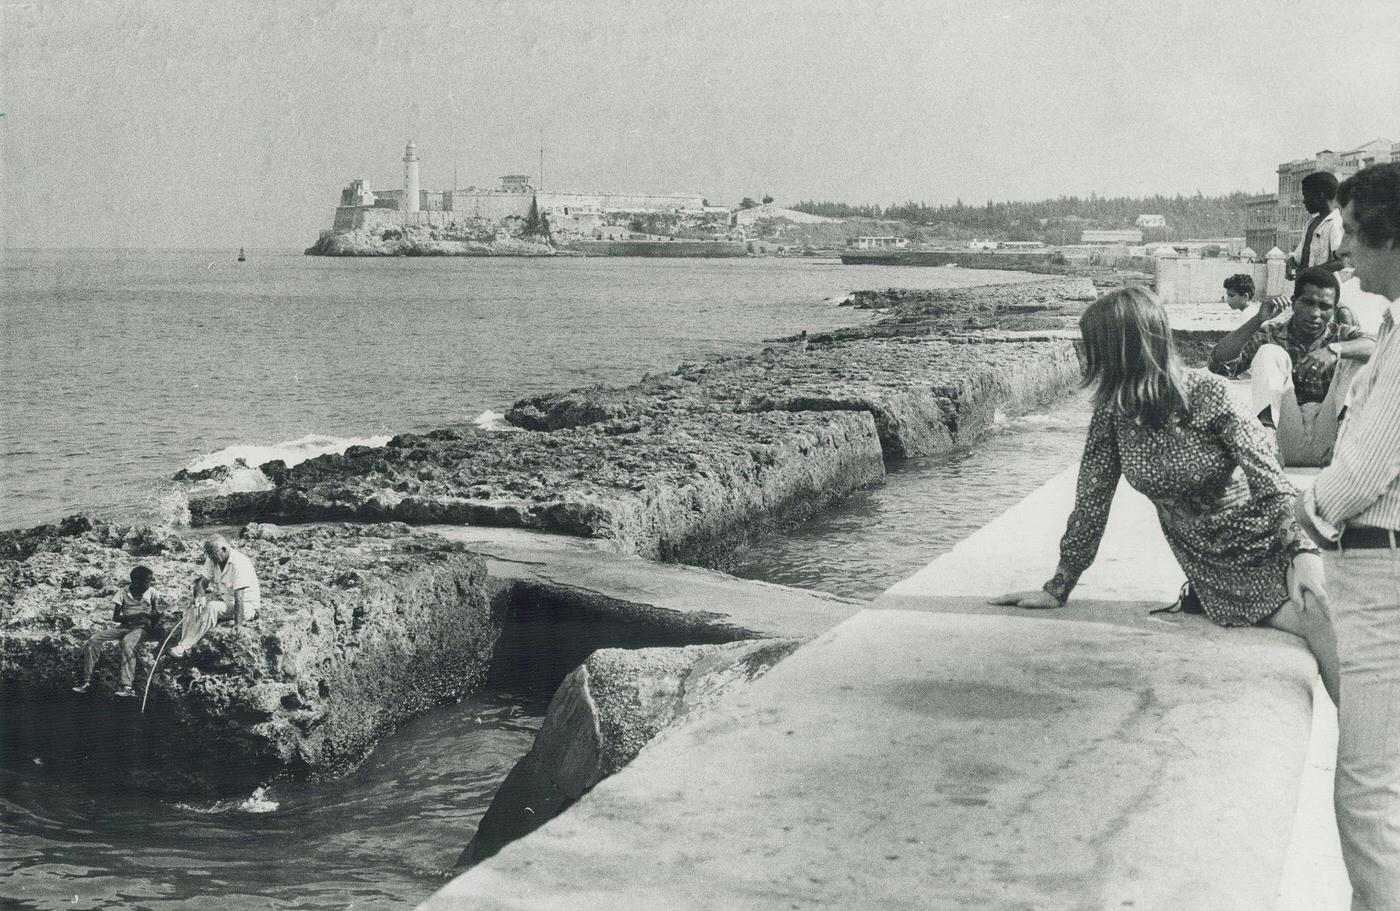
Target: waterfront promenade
<point>933,751</point>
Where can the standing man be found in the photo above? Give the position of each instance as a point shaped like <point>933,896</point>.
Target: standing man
<point>225,589</point>
<point>1353,509</point>
<point>1300,364</point>
<point>1322,240</point>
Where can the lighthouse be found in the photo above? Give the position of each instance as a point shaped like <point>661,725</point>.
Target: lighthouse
<point>410,178</point>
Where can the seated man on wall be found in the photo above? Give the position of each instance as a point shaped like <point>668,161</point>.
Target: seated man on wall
<point>1301,363</point>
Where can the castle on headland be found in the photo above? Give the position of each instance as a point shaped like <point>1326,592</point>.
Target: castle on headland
<point>364,209</point>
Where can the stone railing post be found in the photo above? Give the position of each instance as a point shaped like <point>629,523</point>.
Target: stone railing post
<point>1274,280</point>
<point>1168,271</point>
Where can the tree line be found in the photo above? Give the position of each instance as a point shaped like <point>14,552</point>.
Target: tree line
<point>1057,221</point>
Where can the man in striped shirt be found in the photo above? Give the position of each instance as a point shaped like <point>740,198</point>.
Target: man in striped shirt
<point>1353,511</point>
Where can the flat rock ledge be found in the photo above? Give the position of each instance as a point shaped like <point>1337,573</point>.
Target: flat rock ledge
<point>361,628</point>
<point>682,486</point>
<point>685,466</point>
<point>601,717</point>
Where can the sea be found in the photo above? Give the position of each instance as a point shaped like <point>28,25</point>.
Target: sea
<point>118,368</point>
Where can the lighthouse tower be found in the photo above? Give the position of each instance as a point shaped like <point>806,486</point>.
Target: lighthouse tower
<point>410,178</point>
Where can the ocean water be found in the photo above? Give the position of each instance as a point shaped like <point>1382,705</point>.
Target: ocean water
<point>117,369</point>
<point>387,836</point>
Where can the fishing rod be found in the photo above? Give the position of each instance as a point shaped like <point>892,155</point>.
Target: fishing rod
<point>156,663</point>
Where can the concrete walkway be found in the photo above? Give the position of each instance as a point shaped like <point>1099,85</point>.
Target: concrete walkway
<point>934,752</point>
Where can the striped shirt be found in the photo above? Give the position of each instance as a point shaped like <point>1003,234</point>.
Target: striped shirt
<point>1362,485</point>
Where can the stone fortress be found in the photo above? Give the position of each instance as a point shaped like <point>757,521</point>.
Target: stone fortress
<point>364,209</point>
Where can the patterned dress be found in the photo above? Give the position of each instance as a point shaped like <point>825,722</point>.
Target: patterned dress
<point>1224,503</point>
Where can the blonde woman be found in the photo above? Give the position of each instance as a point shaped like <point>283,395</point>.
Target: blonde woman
<point>1208,466</point>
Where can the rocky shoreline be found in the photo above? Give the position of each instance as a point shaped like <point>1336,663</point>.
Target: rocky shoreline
<point>369,623</point>
<point>686,465</point>
<point>419,243</point>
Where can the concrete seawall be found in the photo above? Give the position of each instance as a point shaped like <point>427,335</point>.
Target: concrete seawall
<point>932,751</point>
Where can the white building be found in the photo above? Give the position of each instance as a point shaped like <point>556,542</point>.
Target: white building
<point>878,243</point>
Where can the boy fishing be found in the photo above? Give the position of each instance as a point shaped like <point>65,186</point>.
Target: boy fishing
<point>136,612</point>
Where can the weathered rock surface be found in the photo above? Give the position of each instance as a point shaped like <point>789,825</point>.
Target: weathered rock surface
<point>363,243</point>
<point>685,465</point>
<point>925,394</point>
<point>1049,304</point>
<point>601,717</point>
<point>360,628</point>
<point>684,484</point>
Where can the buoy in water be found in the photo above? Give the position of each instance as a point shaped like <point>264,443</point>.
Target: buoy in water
<point>242,258</point>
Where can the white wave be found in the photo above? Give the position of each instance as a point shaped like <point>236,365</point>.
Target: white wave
<point>257,802</point>
<point>289,451</point>
<point>492,420</point>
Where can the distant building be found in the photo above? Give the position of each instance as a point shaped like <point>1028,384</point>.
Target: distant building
<point>1261,232</point>
<point>1020,244</point>
<point>877,243</point>
<point>357,194</point>
<point>1151,221</point>
<point>982,245</point>
<point>1124,236</point>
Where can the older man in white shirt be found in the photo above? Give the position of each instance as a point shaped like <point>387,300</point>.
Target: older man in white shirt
<point>225,589</point>
<point>1353,512</point>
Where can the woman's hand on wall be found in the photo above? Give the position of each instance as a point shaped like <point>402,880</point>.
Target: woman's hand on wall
<point>1037,599</point>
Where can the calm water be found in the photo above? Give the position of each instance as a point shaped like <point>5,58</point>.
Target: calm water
<point>117,369</point>
<point>876,537</point>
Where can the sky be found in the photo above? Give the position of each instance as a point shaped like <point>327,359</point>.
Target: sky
<point>193,124</point>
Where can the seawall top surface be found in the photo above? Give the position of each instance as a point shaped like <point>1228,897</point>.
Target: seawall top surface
<point>935,752</point>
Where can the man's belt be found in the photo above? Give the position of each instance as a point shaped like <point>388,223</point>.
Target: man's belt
<point>1359,536</point>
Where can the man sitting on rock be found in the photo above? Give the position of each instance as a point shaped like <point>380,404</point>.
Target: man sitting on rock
<point>136,613</point>
<point>225,589</point>
<point>1300,363</point>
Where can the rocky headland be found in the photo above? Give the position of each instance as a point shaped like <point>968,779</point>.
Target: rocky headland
<point>421,242</point>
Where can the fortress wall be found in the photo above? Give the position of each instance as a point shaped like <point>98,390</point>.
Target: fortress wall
<point>346,218</point>
<point>490,205</point>
<point>619,201</point>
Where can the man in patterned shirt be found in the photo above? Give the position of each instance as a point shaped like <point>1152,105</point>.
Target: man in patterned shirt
<point>1353,512</point>
<point>1300,363</point>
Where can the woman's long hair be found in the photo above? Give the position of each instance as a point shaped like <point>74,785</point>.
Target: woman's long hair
<point>1130,358</point>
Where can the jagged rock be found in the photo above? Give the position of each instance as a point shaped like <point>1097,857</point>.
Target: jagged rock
<point>217,473</point>
<point>360,629</point>
<point>925,394</point>
<point>685,484</point>
<point>601,717</point>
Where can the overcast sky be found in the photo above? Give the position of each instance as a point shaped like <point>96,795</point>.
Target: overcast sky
<point>225,124</point>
